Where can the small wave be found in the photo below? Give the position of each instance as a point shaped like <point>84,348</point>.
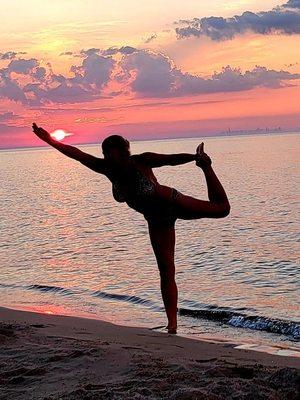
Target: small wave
<point>54,289</point>
<point>41,288</point>
<point>10,285</point>
<point>239,320</point>
<point>127,298</point>
<point>79,291</point>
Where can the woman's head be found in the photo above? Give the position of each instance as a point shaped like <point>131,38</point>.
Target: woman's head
<point>115,147</point>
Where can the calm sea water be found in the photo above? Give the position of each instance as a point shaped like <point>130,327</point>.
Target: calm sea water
<point>67,247</point>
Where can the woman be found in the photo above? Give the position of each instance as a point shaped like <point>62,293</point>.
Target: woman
<point>133,182</point>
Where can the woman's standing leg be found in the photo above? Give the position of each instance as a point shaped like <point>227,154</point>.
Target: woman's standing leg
<point>163,243</point>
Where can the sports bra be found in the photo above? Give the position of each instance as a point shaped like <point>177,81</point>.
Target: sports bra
<point>140,187</point>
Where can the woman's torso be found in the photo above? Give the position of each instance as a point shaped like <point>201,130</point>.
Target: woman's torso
<point>132,180</point>
<point>136,184</point>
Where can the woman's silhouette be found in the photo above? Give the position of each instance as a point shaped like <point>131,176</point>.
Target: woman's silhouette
<point>133,182</point>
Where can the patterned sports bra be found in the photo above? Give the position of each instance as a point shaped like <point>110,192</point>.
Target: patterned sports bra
<point>140,188</point>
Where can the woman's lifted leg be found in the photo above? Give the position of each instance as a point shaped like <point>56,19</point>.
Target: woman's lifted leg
<point>218,205</point>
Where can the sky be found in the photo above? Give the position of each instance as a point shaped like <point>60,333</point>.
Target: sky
<point>145,70</point>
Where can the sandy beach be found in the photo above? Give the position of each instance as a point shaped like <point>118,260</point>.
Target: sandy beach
<point>59,357</point>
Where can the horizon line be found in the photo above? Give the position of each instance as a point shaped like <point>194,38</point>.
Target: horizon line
<point>220,134</point>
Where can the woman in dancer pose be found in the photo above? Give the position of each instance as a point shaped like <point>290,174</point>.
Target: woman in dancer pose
<point>134,182</point>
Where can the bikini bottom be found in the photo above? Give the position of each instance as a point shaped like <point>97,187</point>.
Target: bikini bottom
<point>162,213</point>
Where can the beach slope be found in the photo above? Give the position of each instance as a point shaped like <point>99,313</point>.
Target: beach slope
<point>58,357</point>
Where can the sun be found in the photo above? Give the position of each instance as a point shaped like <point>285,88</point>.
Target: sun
<point>59,134</point>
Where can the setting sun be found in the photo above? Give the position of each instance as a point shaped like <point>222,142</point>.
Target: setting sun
<point>59,134</point>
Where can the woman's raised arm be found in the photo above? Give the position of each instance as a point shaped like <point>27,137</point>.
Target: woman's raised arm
<point>155,160</point>
<point>94,163</point>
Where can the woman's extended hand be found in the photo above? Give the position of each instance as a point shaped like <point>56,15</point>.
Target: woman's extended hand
<point>41,133</point>
<point>202,159</point>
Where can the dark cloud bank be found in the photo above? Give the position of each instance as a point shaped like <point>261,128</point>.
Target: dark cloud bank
<point>284,19</point>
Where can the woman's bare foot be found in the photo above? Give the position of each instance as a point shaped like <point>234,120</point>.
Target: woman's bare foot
<point>202,159</point>
<point>172,329</point>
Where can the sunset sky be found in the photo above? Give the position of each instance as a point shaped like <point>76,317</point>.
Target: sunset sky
<point>158,69</point>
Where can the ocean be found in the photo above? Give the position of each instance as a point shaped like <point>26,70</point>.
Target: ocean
<point>68,248</point>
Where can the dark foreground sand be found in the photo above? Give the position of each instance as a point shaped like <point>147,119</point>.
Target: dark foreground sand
<point>57,357</point>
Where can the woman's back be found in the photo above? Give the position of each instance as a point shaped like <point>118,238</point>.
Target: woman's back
<point>132,180</point>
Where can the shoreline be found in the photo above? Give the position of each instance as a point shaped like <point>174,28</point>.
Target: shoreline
<point>279,348</point>
<point>46,356</point>
<point>248,339</point>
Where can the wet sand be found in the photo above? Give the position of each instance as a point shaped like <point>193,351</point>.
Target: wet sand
<point>59,357</point>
